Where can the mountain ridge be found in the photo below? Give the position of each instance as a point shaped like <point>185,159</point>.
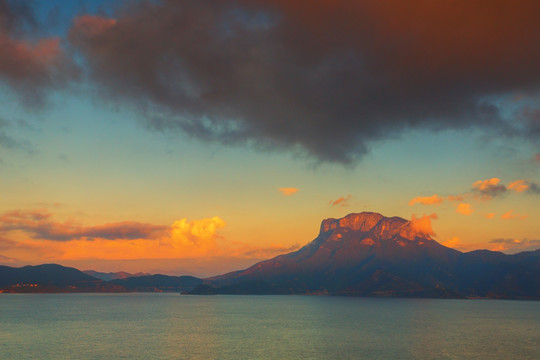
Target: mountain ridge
<point>368,254</point>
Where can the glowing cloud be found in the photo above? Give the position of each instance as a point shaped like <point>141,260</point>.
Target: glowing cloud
<point>510,215</point>
<point>464,209</point>
<point>198,233</point>
<point>518,186</point>
<point>288,191</point>
<point>342,201</point>
<point>427,200</point>
<point>489,188</point>
<point>490,215</point>
<point>422,225</point>
<point>454,242</point>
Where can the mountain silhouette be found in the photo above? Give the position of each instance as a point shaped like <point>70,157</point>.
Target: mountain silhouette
<point>367,254</point>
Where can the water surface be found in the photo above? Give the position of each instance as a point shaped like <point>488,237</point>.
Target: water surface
<point>171,326</point>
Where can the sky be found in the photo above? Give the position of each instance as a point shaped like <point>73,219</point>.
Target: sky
<point>199,137</point>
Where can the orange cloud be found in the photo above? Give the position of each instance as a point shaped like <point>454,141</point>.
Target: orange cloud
<point>32,236</point>
<point>490,215</point>
<point>427,200</point>
<point>464,209</point>
<point>422,225</point>
<point>199,233</point>
<point>455,198</point>
<point>489,188</point>
<point>342,201</point>
<point>518,186</point>
<point>510,215</point>
<point>454,242</point>
<point>288,191</point>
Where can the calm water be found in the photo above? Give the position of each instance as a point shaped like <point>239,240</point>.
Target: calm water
<point>170,326</point>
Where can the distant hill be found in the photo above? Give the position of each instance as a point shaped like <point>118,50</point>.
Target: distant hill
<point>50,278</point>
<point>57,278</point>
<point>158,283</point>
<point>113,275</point>
<point>367,254</point>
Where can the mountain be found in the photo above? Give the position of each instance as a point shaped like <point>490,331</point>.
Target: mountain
<point>367,254</point>
<point>158,283</point>
<point>50,278</point>
<point>57,278</point>
<point>113,275</point>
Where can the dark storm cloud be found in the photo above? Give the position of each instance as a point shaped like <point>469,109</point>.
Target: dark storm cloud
<point>31,66</point>
<point>326,77</point>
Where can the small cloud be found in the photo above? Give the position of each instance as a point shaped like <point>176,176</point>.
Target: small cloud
<point>464,209</point>
<point>342,201</point>
<point>427,200</point>
<point>288,191</point>
<point>453,198</point>
<point>505,241</point>
<point>422,225</point>
<point>537,158</point>
<point>510,215</point>
<point>268,251</point>
<point>454,242</point>
<point>489,215</point>
<point>489,188</point>
<point>534,188</point>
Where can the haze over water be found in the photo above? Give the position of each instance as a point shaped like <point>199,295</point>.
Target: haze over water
<point>169,326</point>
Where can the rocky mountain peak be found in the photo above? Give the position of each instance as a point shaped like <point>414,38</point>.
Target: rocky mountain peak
<point>363,221</point>
<point>376,226</point>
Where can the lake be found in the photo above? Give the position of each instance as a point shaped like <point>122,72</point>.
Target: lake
<point>172,326</point>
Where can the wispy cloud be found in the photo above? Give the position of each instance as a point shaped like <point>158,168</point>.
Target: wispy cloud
<point>509,215</point>
<point>511,245</point>
<point>427,200</point>
<point>39,225</point>
<point>288,191</point>
<point>342,201</point>
<point>454,198</point>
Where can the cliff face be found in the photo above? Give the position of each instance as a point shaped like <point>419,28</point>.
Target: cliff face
<point>374,226</point>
